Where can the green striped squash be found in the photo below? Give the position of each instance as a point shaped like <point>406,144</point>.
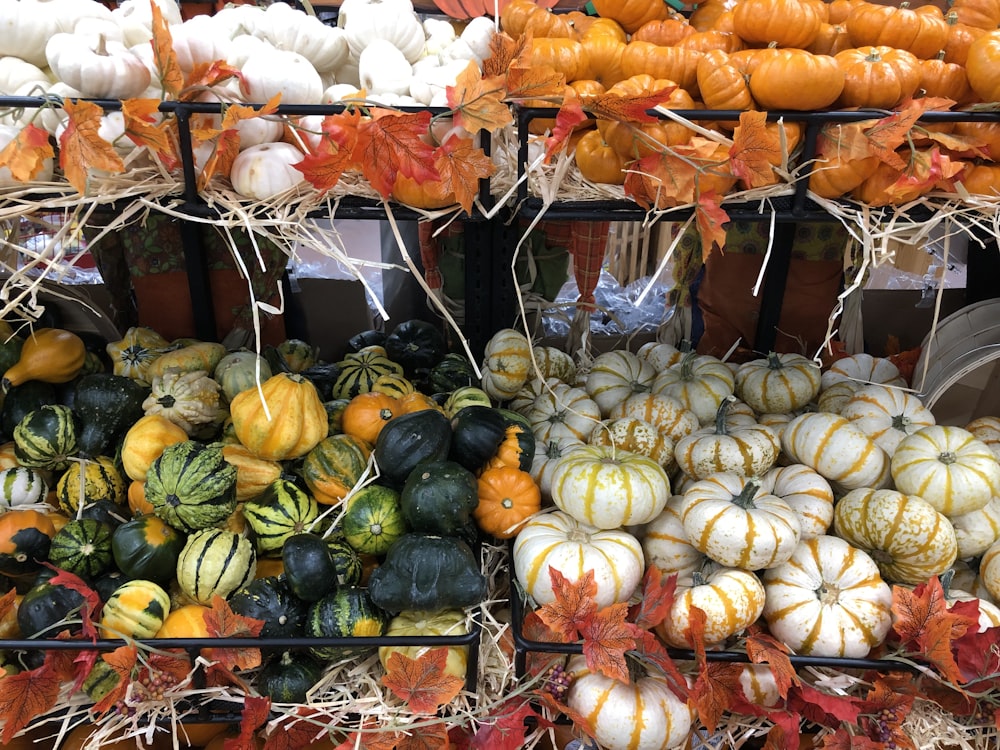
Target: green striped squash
<point>347,561</point>
<point>82,547</point>
<point>333,467</point>
<point>191,486</point>
<point>393,385</point>
<point>101,680</point>
<point>20,485</point>
<point>282,510</point>
<point>466,396</point>
<point>335,414</point>
<point>373,520</point>
<point>46,437</point>
<point>215,562</point>
<point>92,479</point>
<point>137,609</point>
<point>358,373</point>
<point>348,612</point>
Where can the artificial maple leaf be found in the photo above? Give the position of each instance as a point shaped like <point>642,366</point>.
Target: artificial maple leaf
<point>534,630</point>
<point>254,715</point>
<point>462,165</point>
<point>323,167</point>
<point>504,50</point>
<point>891,132</point>
<point>422,683</point>
<point>628,108</point>
<point>650,650</point>
<point>506,728</point>
<point>236,113</point>
<point>558,707</point>
<point>978,658</point>
<point>886,710</point>
<point>7,603</point>
<point>122,662</point>
<point>533,83</point>
<point>711,220</point>
<point>607,635</point>
<point>969,146</point>
<point>669,177</point>
<point>81,147</point>
<point>25,696</point>
<point>755,150</point>
<point>222,622</point>
<point>225,148</point>
<point>296,735</point>
<point>575,602</point>
<point>204,75</point>
<point>570,115</point>
<point>844,740</point>
<point>477,101</point>
<point>171,75</point>
<point>91,600</point>
<point>25,154</point>
<point>393,143</point>
<point>764,648</point>
<point>145,128</point>
<point>846,141</point>
<point>717,684</point>
<point>434,737</point>
<point>822,708</point>
<point>657,598</point>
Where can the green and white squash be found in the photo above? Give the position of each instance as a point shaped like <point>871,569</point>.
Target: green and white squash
<point>282,510</point>
<point>46,438</point>
<point>82,547</point>
<point>215,562</point>
<point>21,486</point>
<point>359,371</point>
<point>191,486</point>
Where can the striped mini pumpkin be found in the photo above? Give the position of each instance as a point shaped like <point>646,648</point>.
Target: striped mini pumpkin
<point>215,562</point>
<point>747,450</point>
<point>828,599</point>
<point>359,371</point>
<point>835,448</point>
<point>668,414</point>
<point>665,543</point>
<point>563,412</point>
<point>887,415</point>
<point>506,364</point>
<point>909,540</point>
<point>94,479</point>
<point>808,494</point>
<point>778,383</point>
<point>46,437</point>
<point>20,485</point>
<point>191,485</point>
<point>280,511</point>
<point>700,382</point>
<point>82,547</point>
<point>977,530</point>
<point>636,436</point>
<point>616,375</point>
<point>135,610</point>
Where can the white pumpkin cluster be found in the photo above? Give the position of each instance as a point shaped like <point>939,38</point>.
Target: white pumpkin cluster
<point>771,489</point>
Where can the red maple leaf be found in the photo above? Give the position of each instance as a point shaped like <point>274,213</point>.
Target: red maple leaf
<point>650,650</point>
<point>822,708</point>
<point>570,115</point>
<point>393,143</point>
<point>657,598</point>
<point>222,622</point>
<point>302,729</point>
<point>575,602</point>
<point>123,662</point>
<point>844,740</point>
<point>25,696</point>
<point>323,166</point>
<point>718,683</point>
<point>434,737</point>
<point>711,220</point>
<point>506,728</point>
<point>92,601</point>
<point>204,75</point>
<point>422,682</point>
<point>254,715</point>
<point>607,635</point>
<point>978,658</point>
<point>763,648</point>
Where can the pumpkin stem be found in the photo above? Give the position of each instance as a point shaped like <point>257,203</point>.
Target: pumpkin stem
<point>167,401</point>
<point>687,366</point>
<point>685,346</point>
<point>636,670</point>
<point>901,422</point>
<point>720,416</point>
<point>578,536</point>
<point>745,499</point>
<point>947,457</point>
<point>946,578</point>
<point>774,361</point>
<point>102,47</point>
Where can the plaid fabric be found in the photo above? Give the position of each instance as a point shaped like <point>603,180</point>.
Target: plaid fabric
<point>430,251</point>
<point>588,242</point>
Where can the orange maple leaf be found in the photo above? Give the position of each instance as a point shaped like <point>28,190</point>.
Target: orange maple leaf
<point>123,662</point>
<point>504,51</point>
<point>711,221</point>
<point>926,627</point>
<point>657,598</point>
<point>25,154</point>
<point>323,166</point>
<point>763,648</point>
<point>7,603</point>
<point>393,143</point>
<point>235,113</point>
<point>718,683</point>
<point>462,165</point>
<point>558,707</point>
<point>225,148</point>
<point>844,140</point>
<point>755,150</point>
<point>533,83</point>
<point>569,116</point>
<point>205,75</point>
<point>477,102</point>
<point>434,737</point>
<point>422,682</point>
<point>81,147</point>
<point>25,696</point>
<point>628,108</point>
<point>649,649</point>
<point>891,132</point>
<point>669,177</point>
<point>886,709</point>
<point>575,602</point>
<point>607,635</point>
<point>145,127</point>
<point>222,622</point>
<point>171,75</point>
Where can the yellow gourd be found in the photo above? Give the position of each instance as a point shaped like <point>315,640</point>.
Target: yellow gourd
<point>51,355</point>
<point>203,355</point>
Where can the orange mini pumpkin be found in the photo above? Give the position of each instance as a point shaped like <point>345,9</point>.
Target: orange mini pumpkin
<point>507,498</point>
<point>367,413</point>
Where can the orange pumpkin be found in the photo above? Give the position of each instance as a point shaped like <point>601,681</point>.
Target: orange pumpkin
<point>960,38</point>
<point>831,39</point>
<point>428,195</point>
<point>416,401</point>
<point>367,413</point>
<point>785,23</point>
<point>632,14</point>
<point>604,58</point>
<point>833,176</point>
<point>877,77</point>
<point>507,498</point>
<point>795,79</point>
<point>664,31</point>
<point>982,179</point>
<point>604,27</point>
<point>137,501</point>
<point>599,162</point>
<point>983,14</point>
<point>923,34</point>
<point>670,63</point>
<point>286,423</point>
<point>566,56</point>
<point>703,41</point>
<point>722,85</point>
<point>945,79</point>
<point>983,66</point>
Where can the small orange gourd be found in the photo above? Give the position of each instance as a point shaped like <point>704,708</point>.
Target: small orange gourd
<point>507,498</point>
<point>51,355</point>
<point>367,413</point>
<point>284,419</point>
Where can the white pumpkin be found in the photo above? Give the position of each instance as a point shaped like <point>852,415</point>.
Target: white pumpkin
<point>15,73</point>
<point>290,29</point>
<point>835,398</point>
<point>886,414</point>
<point>384,69</point>
<point>26,27</point>
<point>745,450</point>
<point>196,42</point>
<point>616,375</point>
<point>665,543</point>
<point>808,494</point>
<point>828,599</point>
<point>986,429</point>
<point>863,369</point>
<point>837,449</point>
<point>977,530</point>
<point>636,436</point>
<point>668,414</point>
<point>261,172</point>
<point>699,382</point>
<point>547,454</point>
<point>660,354</point>
<point>272,72</point>
<point>989,571</point>
<point>609,488</point>
<point>557,540</point>
<point>778,383</point>
<point>368,21</point>
<point>989,613</point>
<point>563,412</point>
<point>97,69</point>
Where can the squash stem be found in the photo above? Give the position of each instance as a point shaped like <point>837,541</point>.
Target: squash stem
<point>720,416</point>
<point>745,499</point>
<point>774,361</point>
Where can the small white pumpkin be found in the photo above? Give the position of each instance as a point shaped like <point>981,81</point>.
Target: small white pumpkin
<point>948,467</point>
<point>196,42</point>
<point>835,398</point>
<point>863,369</point>
<point>263,171</point>
<point>986,429</point>
<point>547,454</point>
<point>668,414</point>
<point>272,71</point>
<point>977,530</point>
<point>563,412</point>
<point>506,363</point>
<point>371,20</point>
<point>700,382</point>
<point>828,599</point>
<point>615,376</point>
<point>290,29</point>
<point>16,73</point>
<point>557,540</point>
<point>26,27</point>
<point>778,383</point>
<point>746,450</point>
<point>95,67</point>
<point>665,543</point>
<point>660,354</point>
<point>837,449</point>
<point>636,436</point>
<point>384,69</point>
<point>808,494</point>
<point>886,414</point>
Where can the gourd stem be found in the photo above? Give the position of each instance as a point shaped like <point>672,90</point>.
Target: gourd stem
<point>901,422</point>
<point>102,47</point>
<point>774,361</point>
<point>946,578</point>
<point>636,670</point>
<point>745,499</point>
<point>947,457</point>
<point>720,416</point>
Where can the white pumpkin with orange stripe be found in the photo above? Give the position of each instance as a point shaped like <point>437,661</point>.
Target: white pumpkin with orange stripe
<point>977,530</point>
<point>807,492</point>
<point>563,412</point>
<point>557,540</point>
<point>747,450</point>
<point>609,488</point>
<point>667,413</point>
<point>636,436</point>
<point>732,599</point>
<point>987,429</point>
<point>737,523</point>
<point>507,363</point>
<point>659,354</point>
<point>864,369</point>
<point>948,467</point>
<point>643,714</point>
<point>616,375</point>
<point>778,383</point>
<point>759,685</point>
<point>886,414</point>
<point>700,382</point>
<point>665,544</point>
<point>835,448</point>
<point>828,599</point>
<point>908,539</point>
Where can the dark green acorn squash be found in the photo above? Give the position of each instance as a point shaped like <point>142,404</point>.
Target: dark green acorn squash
<point>348,612</point>
<point>271,600</point>
<point>439,498</point>
<point>23,399</point>
<point>47,609</point>
<point>107,584</point>
<point>410,439</point>
<point>106,405</point>
<point>454,371</point>
<point>289,678</point>
<point>359,341</point>
<point>323,376</point>
<point>417,345</point>
<point>82,547</point>
<point>46,438</point>
<point>106,511</point>
<point>191,486</point>
<point>426,572</point>
<point>148,548</point>
<point>477,432</point>
<point>310,570</point>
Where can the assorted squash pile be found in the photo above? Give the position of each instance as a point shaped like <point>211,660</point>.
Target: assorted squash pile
<point>796,56</point>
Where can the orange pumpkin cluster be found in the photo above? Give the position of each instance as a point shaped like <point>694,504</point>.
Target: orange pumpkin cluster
<point>788,55</point>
